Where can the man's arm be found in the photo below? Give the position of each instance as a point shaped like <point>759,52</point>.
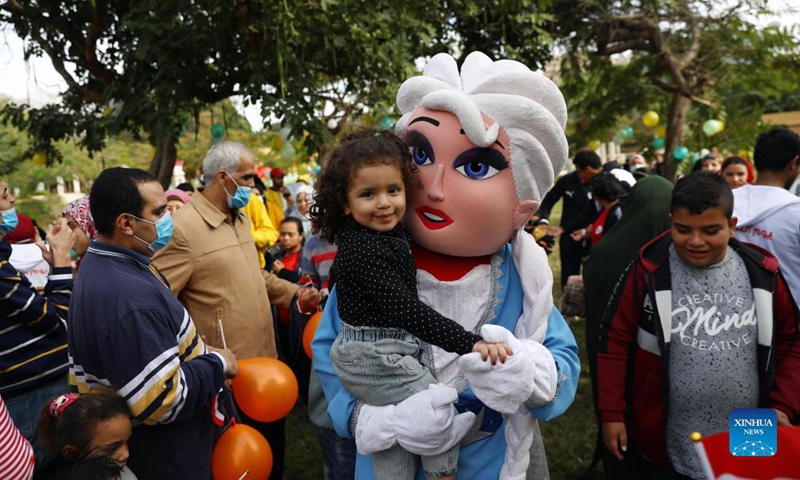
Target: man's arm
<point>280,292</point>
<point>552,197</point>
<point>22,305</point>
<point>175,261</point>
<point>786,383</point>
<point>145,342</point>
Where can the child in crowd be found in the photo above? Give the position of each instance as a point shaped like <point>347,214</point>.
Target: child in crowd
<point>708,163</point>
<point>360,201</point>
<point>285,255</point>
<point>88,435</point>
<point>714,329</point>
<point>737,171</point>
<point>607,191</point>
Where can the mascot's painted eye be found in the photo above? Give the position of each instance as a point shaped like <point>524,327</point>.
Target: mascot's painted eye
<point>420,155</point>
<point>480,163</point>
<point>477,170</point>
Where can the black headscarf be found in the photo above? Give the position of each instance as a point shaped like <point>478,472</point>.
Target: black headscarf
<point>645,215</point>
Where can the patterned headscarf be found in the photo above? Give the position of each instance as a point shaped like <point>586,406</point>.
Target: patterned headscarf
<point>79,211</point>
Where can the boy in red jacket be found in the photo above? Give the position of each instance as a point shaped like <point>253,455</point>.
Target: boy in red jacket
<point>714,329</point>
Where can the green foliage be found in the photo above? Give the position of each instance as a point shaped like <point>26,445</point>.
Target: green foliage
<point>42,209</point>
<point>627,57</point>
<point>147,67</point>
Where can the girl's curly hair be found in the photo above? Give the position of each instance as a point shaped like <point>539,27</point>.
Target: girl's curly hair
<point>359,148</point>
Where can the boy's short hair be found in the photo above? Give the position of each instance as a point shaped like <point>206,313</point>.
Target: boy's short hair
<point>775,149</point>
<point>607,187</point>
<point>699,191</point>
<point>586,158</point>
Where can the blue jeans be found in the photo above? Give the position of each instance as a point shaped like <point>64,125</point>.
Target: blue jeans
<point>339,455</point>
<point>25,409</point>
<point>379,366</point>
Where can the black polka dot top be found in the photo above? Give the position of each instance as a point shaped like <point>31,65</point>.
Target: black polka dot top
<point>377,287</point>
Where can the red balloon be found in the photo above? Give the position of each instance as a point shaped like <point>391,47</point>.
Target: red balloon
<point>310,330</point>
<point>241,449</point>
<point>265,388</point>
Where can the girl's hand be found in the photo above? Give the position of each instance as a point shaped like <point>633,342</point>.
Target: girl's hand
<point>578,235</point>
<point>494,351</point>
<point>277,266</point>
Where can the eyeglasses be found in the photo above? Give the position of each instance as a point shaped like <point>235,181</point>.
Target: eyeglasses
<point>287,195</point>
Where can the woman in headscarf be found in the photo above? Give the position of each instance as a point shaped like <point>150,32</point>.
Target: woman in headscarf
<point>301,206</point>
<point>79,219</point>
<point>645,215</point>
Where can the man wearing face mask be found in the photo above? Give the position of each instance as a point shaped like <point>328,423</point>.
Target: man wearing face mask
<point>129,333</point>
<point>212,267</point>
<point>33,332</point>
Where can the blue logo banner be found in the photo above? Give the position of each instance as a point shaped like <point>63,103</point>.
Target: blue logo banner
<point>753,432</point>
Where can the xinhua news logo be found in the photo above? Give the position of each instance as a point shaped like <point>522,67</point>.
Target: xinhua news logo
<point>753,432</point>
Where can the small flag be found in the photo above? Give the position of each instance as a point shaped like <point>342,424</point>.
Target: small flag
<point>719,463</point>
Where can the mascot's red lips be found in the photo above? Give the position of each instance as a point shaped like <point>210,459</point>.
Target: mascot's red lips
<point>433,219</point>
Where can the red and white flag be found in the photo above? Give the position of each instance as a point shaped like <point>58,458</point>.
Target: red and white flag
<point>719,464</point>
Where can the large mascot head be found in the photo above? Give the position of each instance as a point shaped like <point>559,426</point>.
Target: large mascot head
<point>488,141</point>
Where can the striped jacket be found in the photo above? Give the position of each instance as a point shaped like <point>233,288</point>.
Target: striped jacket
<point>129,333</point>
<point>33,328</point>
<point>639,315</point>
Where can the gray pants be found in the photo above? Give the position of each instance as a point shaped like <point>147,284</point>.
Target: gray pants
<point>379,366</point>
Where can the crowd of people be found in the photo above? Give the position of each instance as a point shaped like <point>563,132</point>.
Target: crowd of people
<point>690,302</point>
<point>440,348</point>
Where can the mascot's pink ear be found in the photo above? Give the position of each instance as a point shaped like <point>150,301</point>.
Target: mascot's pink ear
<point>524,211</point>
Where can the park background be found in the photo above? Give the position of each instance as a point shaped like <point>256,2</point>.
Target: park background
<point>89,85</point>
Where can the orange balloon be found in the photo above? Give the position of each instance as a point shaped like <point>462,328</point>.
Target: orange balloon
<point>310,331</point>
<point>241,449</point>
<point>265,388</point>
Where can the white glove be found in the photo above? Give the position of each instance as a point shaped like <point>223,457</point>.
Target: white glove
<point>425,423</point>
<point>528,376</point>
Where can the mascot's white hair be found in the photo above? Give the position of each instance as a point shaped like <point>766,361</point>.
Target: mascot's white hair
<point>527,104</point>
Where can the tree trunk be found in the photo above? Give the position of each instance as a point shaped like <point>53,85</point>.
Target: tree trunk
<point>676,122</point>
<point>163,161</point>
<point>325,151</point>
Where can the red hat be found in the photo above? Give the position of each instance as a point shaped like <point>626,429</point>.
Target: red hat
<point>276,172</point>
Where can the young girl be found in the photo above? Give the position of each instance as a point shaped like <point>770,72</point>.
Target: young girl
<point>607,191</point>
<point>360,201</point>
<point>737,171</point>
<point>88,435</point>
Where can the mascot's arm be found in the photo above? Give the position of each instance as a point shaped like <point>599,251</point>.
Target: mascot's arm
<point>543,377</point>
<point>340,403</point>
<point>561,344</point>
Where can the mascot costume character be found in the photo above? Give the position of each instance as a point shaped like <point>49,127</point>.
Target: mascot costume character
<point>488,141</point>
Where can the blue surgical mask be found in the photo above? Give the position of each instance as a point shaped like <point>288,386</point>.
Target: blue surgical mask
<point>163,231</point>
<point>10,221</point>
<point>240,198</point>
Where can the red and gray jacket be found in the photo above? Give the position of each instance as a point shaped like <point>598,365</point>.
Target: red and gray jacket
<point>635,323</point>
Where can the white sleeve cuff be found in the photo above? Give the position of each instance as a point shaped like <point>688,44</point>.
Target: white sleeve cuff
<point>60,277</point>
<point>545,383</point>
<point>224,363</point>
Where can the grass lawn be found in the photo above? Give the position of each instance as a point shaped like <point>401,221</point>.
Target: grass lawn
<point>569,440</point>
